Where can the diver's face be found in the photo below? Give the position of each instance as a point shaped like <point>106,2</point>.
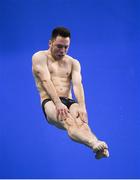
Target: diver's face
<point>59,47</point>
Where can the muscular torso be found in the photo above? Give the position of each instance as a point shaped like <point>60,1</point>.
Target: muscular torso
<point>60,72</point>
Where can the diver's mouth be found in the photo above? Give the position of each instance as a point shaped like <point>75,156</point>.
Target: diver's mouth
<point>61,55</point>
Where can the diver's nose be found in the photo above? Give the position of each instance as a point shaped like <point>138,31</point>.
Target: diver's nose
<point>63,50</point>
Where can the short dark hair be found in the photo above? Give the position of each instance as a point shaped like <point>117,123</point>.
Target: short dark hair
<point>60,31</point>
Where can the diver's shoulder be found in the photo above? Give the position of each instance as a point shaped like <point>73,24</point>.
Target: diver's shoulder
<point>39,57</point>
<point>72,59</point>
<point>42,54</point>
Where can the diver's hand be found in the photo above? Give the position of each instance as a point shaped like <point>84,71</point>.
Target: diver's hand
<point>62,111</point>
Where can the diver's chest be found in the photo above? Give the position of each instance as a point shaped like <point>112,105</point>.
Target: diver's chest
<point>60,69</point>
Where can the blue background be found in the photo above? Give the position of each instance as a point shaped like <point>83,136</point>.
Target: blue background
<point>106,40</point>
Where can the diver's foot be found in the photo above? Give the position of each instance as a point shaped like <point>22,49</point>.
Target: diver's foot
<point>101,149</point>
<point>102,154</point>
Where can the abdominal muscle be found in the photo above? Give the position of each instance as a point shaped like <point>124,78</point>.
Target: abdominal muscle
<point>62,87</point>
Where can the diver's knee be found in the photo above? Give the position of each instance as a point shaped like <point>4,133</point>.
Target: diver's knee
<point>72,131</point>
<point>50,120</point>
<point>58,124</point>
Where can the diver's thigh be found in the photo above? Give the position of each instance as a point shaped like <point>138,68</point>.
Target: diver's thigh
<point>74,108</point>
<point>74,111</point>
<point>50,111</point>
<point>51,114</point>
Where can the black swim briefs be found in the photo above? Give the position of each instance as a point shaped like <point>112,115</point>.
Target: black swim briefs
<point>67,101</point>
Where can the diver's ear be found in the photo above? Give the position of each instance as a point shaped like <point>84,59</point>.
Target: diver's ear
<point>50,42</point>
